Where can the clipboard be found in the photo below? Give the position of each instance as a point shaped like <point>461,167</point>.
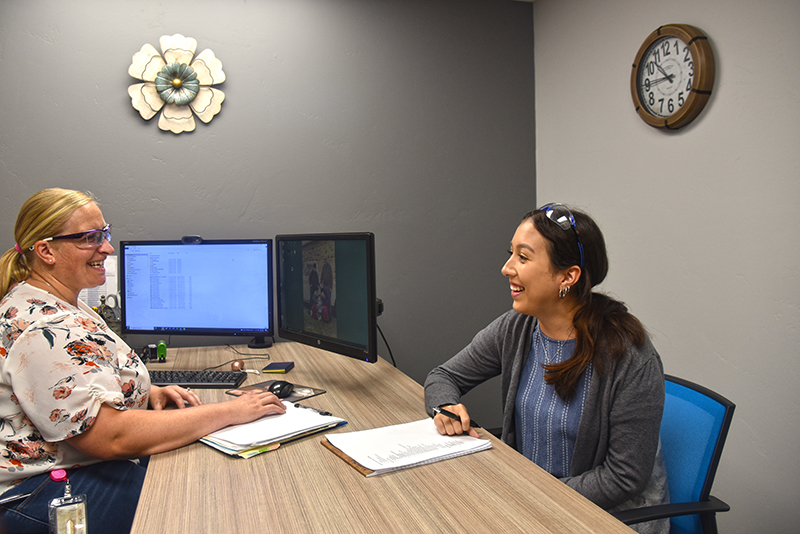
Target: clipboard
<point>270,432</point>
<point>349,461</point>
<point>382,450</point>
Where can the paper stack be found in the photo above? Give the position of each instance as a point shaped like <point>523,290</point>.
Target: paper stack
<point>269,432</point>
<point>390,448</point>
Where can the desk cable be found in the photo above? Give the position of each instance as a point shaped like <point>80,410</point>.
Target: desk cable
<point>388,348</point>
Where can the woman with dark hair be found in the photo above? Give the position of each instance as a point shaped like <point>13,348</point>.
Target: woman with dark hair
<point>582,385</point>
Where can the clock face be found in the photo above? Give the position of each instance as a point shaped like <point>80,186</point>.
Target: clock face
<point>665,75</point>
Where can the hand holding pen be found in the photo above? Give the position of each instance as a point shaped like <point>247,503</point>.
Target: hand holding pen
<point>454,420</point>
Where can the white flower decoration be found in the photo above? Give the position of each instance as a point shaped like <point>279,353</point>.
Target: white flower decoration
<point>176,83</point>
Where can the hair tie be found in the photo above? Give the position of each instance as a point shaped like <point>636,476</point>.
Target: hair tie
<point>19,250</point>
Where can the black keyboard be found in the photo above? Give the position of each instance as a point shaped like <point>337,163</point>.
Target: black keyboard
<point>197,379</point>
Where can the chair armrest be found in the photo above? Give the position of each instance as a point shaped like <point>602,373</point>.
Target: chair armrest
<point>650,513</point>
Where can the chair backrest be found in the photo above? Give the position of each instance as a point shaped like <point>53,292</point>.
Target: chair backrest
<point>693,431</point>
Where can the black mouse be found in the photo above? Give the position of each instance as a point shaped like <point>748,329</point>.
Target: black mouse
<point>281,388</point>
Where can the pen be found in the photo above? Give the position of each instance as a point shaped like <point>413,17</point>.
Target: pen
<point>14,498</point>
<point>451,415</point>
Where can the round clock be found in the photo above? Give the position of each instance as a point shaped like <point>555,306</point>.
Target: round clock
<point>672,76</point>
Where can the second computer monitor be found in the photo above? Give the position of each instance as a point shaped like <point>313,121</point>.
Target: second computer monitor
<point>326,292</point>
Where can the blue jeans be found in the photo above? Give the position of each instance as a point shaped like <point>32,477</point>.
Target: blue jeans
<point>112,493</point>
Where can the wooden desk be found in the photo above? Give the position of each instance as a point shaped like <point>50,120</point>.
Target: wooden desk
<point>302,487</point>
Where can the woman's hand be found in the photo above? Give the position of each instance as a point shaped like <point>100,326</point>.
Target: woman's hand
<point>451,427</point>
<point>160,397</point>
<point>254,405</point>
<point>117,434</point>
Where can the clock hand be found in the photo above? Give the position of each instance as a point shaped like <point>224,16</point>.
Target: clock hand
<point>658,81</point>
<point>667,76</point>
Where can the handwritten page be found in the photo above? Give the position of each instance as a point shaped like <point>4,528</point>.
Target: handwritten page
<point>390,448</point>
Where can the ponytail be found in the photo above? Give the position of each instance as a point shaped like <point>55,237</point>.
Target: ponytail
<point>13,269</point>
<point>603,326</point>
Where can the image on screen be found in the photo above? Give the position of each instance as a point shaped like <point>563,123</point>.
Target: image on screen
<point>219,287</point>
<point>326,292</point>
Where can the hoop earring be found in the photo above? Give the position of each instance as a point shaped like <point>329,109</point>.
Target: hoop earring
<point>563,292</point>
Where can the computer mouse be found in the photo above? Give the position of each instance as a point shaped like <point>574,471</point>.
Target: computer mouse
<point>281,388</point>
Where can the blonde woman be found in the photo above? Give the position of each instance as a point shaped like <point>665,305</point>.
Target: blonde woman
<point>73,395</point>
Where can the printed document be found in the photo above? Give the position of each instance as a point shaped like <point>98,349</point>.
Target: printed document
<point>406,445</point>
<point>267,433</point>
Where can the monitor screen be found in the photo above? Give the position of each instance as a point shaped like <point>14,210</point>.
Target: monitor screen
<point>216,287</point>
<point>326,292</point>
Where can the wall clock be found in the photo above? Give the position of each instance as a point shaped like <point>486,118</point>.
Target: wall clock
<point>672,76</point>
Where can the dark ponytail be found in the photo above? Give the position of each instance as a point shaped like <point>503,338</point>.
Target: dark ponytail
<point>604,328</point>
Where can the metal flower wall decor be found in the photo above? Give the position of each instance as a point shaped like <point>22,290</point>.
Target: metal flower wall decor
<point>176,83</point>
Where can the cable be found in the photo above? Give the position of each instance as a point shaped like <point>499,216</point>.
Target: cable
<point>387,344</point>
<point>255,355</point>
<point>262,357</point>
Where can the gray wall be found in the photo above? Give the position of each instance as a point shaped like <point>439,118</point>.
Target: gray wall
<point>412,120</point>
<point>702,224</point>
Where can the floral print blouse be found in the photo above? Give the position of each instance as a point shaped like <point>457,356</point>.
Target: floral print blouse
<point>58,364</point>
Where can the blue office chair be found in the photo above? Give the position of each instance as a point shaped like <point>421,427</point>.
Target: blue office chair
<point>693,431</point>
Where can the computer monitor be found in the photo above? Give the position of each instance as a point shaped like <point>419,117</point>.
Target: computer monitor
<point>326,292</point>
<point>204,287</point>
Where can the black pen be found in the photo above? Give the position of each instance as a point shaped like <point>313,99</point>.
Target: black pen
<point>451,415</point>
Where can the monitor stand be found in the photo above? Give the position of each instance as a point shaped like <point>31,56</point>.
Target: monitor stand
<point>260,342</point>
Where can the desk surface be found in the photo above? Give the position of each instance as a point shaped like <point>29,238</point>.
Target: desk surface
<point>303,487</point>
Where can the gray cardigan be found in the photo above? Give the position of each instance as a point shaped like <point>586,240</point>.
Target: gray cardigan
<point>617,460</point>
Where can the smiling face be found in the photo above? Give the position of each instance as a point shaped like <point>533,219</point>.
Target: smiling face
<point>74,265</point>
<point>534,283</point>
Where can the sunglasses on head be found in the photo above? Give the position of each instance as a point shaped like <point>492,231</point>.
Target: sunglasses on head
<point>560,214</point>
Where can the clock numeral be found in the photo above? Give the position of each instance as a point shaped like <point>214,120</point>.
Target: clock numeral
<point>677,47</point>
<point>681,100</point>
<point>651,68</point>
<point>665,48</point>
<point>670,104</point>
<point>688,56</point>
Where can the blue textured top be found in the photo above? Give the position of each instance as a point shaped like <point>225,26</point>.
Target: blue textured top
<point>547,425</point>
<point>616,465</point>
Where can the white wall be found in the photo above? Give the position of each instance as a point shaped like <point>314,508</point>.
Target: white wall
<point>701,224</point>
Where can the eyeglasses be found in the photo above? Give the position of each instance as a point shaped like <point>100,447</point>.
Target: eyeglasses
<point>91,238</point>
<point>560,214</point>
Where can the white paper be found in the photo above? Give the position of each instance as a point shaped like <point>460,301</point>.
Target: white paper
<point>406,445</point>
<point>272,428</point>
<point>92,295</point>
